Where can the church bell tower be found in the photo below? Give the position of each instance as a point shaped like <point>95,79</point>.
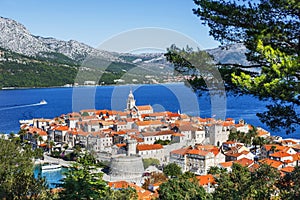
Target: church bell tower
<point>130,101</point>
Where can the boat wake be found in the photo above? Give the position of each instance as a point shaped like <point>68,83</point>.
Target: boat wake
<point>43,102</point>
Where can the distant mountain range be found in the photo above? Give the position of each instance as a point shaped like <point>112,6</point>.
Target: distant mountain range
<point>23,48</point>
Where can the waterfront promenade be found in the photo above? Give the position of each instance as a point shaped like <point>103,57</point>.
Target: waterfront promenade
<point>49,159</point>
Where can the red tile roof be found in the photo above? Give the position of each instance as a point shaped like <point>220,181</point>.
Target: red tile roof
<point>206,179</point>
<point>145,107</point>
<point>62,128</point>
<point>288,169</point>
<point>182,151</point>
<point>146,147</point>
<point>229,142</point>
<point>197,152</point>
<point>273,163</point>
<point>148,123</point>
<point>262,133</point>
<point>35,130</point>
<point>268,147</point>
<point>296,157</point>
<point>226,164</point>
<point>245,162</point>
<point>121,145</point>
<point>280,154</point>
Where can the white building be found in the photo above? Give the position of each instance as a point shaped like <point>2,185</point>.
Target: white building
<point>151,151</point>
<point>99,141</point>
<point>151,137</point>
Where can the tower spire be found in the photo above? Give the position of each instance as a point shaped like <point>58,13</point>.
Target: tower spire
<point>130,101</point>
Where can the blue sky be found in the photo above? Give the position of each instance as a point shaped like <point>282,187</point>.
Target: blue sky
<point>94,21</point>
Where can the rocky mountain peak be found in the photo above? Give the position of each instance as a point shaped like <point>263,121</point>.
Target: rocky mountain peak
<point>15,37</point>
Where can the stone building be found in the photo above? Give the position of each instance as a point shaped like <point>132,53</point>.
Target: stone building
<point>218,134</point>
<point>127,168</point>
<point>197,159</point>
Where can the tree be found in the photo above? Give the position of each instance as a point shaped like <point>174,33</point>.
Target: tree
<point>270,30</point>
<point>81,183</point>
<point>155,177</point>
<point>290,185</point>
<point>214,170</point>
<point>16,173</point>
<point>233,185</point>
<point>259,141</point>
<point>150,161</point>
<point>240,183</point>
<point>172,170</point>
<point>123,194</point>
<point>263,182</point>
<point>40,139</point>
<point>182,188</point>
<point>162,142</point>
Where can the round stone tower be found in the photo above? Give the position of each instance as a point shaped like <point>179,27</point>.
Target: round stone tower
<point>127,168</point>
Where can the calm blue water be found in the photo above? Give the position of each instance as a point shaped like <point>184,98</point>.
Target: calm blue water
<point>23,103</point>
<point>52,177</point>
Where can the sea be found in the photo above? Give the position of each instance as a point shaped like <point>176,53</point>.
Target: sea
<point>22,104</point>
<point>53,178</point>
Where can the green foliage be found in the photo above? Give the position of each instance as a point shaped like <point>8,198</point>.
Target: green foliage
<point>233,185</point>
<point>85,114</point>
<point>35,75</point>
<point>263,182</point>
<point>259,141</point>
<point>182,188</point>
<point>55,154</point>
<point>116,71</point>
<point>162,142</point>
<point>289,185</point>
<point>242,137</point>
<point>55,69</point>
<point>124,194</point>
<point>16,173</point>
<point>38,153</point>
<point>71,156</point>
<point>172,170</point>
<point>270,31</point>
<point>214,170</point>
<point>150,161</point>
<point>242,184</point>
<point>200,65</point>
<point>56,58</point>
<point>81,183</point>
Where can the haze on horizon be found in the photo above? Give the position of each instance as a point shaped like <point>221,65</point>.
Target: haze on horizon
<point>93,22</point>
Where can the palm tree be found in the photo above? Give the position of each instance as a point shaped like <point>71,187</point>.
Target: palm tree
<point>40,139</point>
<point>22,133</point>
<point>35,139</point>
<point>51,144</point>
<point>258,141</point>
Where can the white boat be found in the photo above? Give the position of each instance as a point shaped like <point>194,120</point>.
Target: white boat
<point>51,166</point>
<point>43,102</point>
<point>26,121</point>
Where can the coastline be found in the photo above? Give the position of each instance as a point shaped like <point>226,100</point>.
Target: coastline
<point>56,108</point>
<point>72,86</point>
<point>49,159</point>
